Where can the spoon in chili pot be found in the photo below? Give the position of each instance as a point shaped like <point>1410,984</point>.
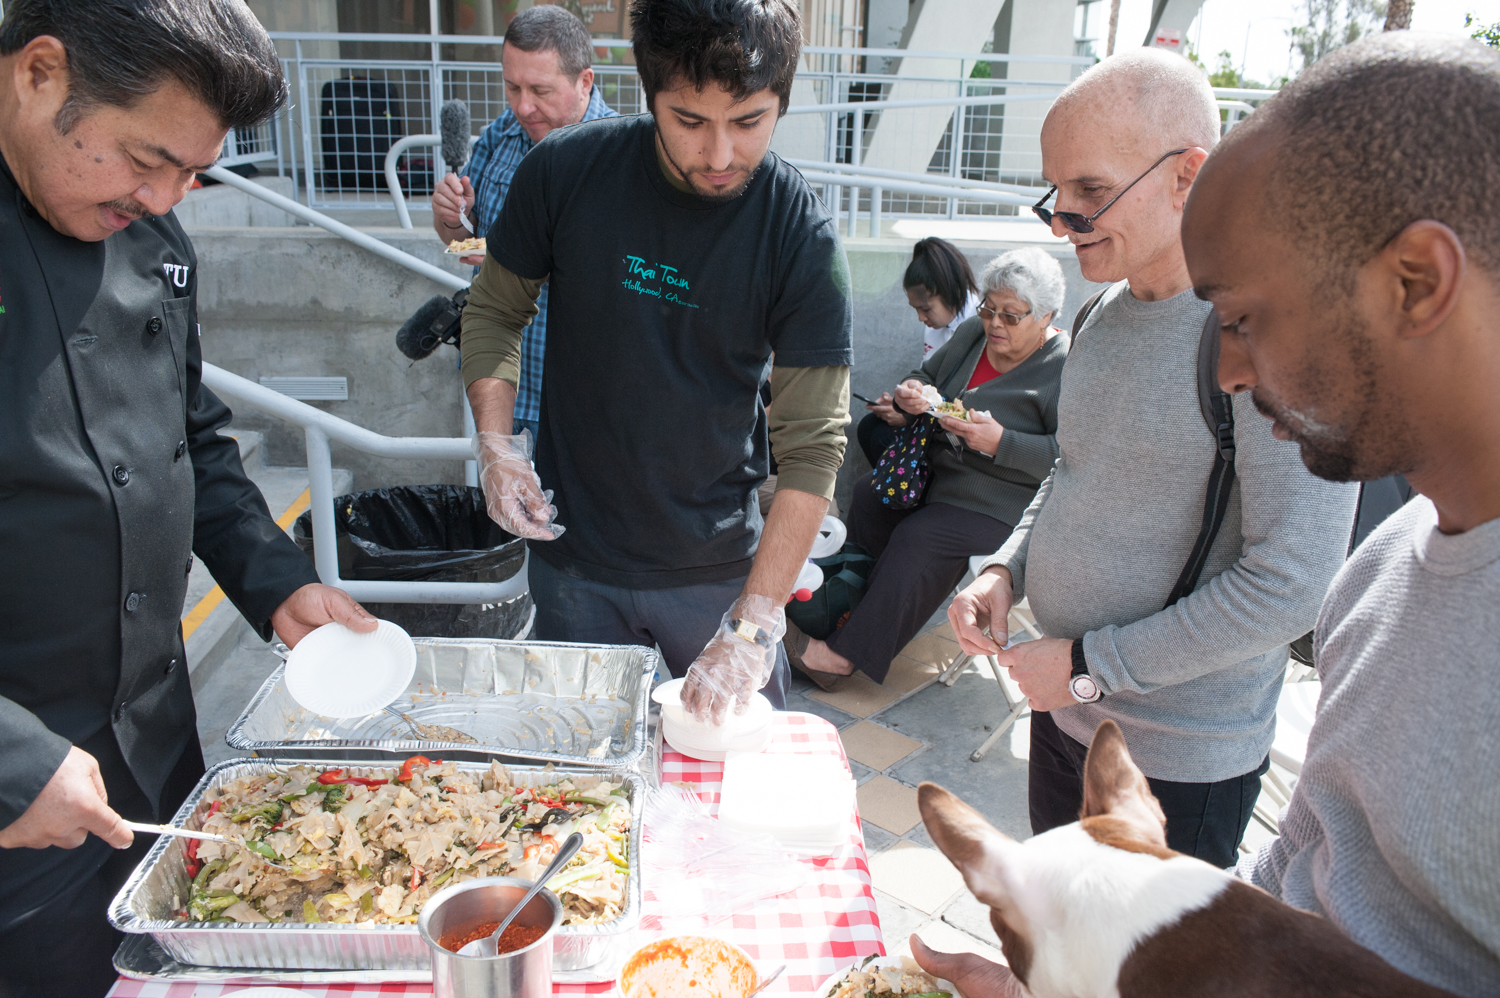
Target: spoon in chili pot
<point>489,945</point>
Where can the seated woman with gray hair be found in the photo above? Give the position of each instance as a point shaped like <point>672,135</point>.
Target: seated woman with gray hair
<point>1005,365</point>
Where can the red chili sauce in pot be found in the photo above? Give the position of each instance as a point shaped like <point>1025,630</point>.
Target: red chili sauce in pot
<point>515,937</point>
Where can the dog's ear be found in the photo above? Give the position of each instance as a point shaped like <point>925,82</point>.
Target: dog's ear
<point>981,853</point>
<point>1114,786</point>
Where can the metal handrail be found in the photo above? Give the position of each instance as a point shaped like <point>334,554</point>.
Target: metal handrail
<point>868,172</point>
<point>358,238</point>
<point>393,181</point>
<point>625,43</point>
<point>916,187</point>
<point>320,428</point>
<point>882,105</point>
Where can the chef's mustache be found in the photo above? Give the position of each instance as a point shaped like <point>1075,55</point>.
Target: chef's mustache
<point>129,207</point>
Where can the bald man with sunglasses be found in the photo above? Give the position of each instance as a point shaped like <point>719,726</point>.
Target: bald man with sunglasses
<point>1193,681</point>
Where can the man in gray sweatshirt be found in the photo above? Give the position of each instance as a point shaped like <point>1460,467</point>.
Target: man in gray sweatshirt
<point>1393,831</point>
<point>1193,685</point>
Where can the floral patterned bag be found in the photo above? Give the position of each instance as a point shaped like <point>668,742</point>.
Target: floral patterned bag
<point>902,473</point>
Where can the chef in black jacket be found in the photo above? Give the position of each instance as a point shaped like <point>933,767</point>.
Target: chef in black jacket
<point>113,473</point>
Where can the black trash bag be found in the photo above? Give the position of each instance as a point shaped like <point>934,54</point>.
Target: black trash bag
<point>433,533</point>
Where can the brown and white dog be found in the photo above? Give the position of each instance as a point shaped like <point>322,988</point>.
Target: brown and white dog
<point>1103,908</point>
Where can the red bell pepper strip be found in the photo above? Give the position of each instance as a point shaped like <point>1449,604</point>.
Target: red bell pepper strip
<point>416,877</point>
<point>335,777</point>
<point>490,845</point>
<point>192,858</point>
<point>214,807</point>
<point>408,764</point>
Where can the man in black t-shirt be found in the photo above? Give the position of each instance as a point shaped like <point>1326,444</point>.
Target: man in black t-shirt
<point>686,254</point>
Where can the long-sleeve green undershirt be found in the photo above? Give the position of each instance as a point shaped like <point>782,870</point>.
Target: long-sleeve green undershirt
<point>810,405</point>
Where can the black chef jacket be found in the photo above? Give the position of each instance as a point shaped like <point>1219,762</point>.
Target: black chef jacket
<point>112,474</point>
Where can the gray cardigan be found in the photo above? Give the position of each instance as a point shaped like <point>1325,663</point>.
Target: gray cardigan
<point>1023,400</point>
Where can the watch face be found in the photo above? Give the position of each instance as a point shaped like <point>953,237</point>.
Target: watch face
<point>1085,690</point>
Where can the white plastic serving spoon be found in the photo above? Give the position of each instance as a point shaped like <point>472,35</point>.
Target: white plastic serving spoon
<point>487,945</point>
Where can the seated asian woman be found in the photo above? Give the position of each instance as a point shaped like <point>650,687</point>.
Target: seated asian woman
<point>1006,363</point>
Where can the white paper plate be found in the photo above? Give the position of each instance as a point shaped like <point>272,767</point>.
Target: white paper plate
<point>337,672</point>
<point>880,961</point>
<point>685,743</point>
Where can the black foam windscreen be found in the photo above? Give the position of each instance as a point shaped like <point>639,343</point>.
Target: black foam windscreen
<point>423,332</point>
<point>454,125</point>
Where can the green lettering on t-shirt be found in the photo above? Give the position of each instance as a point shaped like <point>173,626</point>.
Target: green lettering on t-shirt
<point>640,277</point>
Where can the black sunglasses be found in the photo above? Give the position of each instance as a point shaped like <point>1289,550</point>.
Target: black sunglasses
<point>1085,223</point>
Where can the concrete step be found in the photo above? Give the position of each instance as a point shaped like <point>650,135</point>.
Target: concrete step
<point>212,625</point>
<point>252,448</point>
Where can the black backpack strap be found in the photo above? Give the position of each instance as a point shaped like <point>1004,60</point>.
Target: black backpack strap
<point>1083,314</point>
<point>1218,414</point>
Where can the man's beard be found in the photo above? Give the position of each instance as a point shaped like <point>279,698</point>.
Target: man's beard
<point>1370,439</point>
<point>718,197</point>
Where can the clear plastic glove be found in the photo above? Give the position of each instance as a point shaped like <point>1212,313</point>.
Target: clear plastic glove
<point>737,661</point>
<point>513,493</point>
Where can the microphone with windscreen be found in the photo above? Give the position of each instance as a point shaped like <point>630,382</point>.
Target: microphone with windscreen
<point>435,323</point>
<point>454,126</point>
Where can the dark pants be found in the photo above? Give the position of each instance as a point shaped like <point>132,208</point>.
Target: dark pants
<point>875,437</point>
<point>65,947</point>
<point>1206,820</point>
<point>680,621</point>
<point>921,554</point>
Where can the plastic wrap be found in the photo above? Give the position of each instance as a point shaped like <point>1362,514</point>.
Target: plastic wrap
<point>703,871</point>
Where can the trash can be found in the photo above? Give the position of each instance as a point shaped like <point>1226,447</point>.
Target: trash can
<point>431,533</point>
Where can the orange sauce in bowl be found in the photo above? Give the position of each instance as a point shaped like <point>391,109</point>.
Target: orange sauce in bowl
<point>688,967</point>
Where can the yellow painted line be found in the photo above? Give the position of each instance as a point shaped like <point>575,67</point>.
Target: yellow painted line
<point>210,602</point>
<point>285,520</point>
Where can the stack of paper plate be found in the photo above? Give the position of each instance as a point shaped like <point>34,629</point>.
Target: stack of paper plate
<point>803,801</point>
<point>747,732</point>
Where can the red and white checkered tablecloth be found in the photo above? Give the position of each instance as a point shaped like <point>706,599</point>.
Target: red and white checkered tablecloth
<point>815,930</point>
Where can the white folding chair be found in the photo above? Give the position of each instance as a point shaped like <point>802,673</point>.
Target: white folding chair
<point>1019,628</point>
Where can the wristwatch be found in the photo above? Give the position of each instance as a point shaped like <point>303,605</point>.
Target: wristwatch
<point>750,631</point>
<point>1082,685</point>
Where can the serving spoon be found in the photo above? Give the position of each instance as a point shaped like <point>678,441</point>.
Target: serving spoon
<point>488,945</point>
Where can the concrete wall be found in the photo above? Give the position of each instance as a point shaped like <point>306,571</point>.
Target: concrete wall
<point>304,302</point>
<point>221,206</point>
<point>279,301</point>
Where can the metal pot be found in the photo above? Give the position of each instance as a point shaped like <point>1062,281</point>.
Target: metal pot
<point>522,973</point>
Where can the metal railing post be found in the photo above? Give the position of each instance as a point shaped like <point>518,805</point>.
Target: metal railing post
<point>307,148</point>
<point>471,468</point>
<point>320,493</point>
<point>876,194</point>
<point>956,149</point>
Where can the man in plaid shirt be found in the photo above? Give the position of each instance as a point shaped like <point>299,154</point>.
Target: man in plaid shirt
<point>549,83</point>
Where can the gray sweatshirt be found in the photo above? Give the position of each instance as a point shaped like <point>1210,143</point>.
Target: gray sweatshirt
<point>1193,687</point>
<point>1393,831</point>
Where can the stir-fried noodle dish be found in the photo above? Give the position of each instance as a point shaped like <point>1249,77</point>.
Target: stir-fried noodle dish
<point>324,846</point>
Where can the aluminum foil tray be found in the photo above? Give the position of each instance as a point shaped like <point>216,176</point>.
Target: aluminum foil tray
<point>567,704</point>
<point>160,884</point>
